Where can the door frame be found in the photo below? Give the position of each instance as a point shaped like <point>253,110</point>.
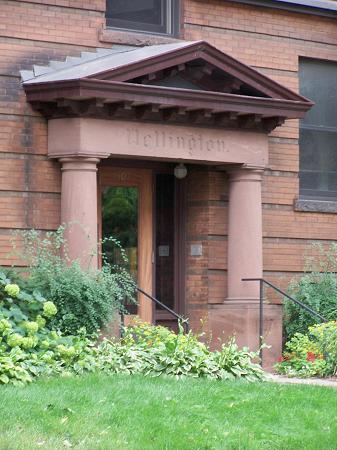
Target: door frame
<point>142,179</point>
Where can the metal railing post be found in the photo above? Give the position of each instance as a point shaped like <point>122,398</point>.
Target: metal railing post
<point>261,321</point>
<point>121,327</point>
<point>184,322</point>
<point>262,281</point>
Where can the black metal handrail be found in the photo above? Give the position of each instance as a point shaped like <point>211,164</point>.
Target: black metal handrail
<point>181,319</point>
<point>262,281</point>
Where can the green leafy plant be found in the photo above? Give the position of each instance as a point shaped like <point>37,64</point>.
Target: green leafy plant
<point>23,319</point>
<point>311,354</point>
<point>30,347</point>
<point>317,289</point>
<point>155,351</point>
<point>84,298</point>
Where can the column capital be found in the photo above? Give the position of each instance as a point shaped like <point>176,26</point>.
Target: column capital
<point>245,173</point>
<point>79,163</point>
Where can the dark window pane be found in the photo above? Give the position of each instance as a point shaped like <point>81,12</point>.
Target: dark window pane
<point>318,185</point>
<point>318,131</point>
<point>318,164</point>
<point>309,181</point>
<point>332,182</point>
<point>156,16</point>
<point>145,11</point>
<point>318,82</point>
<point>318,150</point>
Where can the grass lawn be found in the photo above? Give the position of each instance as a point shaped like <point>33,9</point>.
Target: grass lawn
<point>133,412</point>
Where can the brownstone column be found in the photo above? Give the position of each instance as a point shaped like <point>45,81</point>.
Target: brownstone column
<point>244,233</point>
<point>239,314</point>
<point>79,208</point>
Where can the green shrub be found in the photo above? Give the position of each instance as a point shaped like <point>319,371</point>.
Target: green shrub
<point>311,354</point>
<point>325,338</point>
<point>29,348</point>
<point>23,330</point>
<point>84,298</point>
<point>317,289</point>
<point>155,350</point>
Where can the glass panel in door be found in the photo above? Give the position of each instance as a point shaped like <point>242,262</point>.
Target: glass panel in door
<point>126,214</point>
<point>120,220</point>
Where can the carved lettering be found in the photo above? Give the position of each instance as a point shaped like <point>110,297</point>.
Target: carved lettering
<point>192,143</point>
<point>133,136</point>
<point>209,144</point>
<point>148,140</point>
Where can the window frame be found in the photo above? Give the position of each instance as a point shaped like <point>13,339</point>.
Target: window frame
<point>170,26</point>
<point>307,193</point>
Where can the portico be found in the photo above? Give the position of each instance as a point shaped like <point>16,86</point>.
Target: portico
<point>134,114</point>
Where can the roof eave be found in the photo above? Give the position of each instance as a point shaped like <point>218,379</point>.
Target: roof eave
<point>165,97</point>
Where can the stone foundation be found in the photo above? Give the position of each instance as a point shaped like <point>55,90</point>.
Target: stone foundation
<point>242,320</point>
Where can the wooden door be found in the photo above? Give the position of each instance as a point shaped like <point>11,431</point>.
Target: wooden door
<point>116,182</point>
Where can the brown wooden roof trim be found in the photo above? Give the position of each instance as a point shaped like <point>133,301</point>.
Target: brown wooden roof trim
<point>203,50</point>
<point>114,91</point>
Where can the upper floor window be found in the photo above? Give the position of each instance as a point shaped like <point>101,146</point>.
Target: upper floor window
<point>151,16</point>
<point>318,131</point>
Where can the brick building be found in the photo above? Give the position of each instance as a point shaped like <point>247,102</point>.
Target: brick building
<point>103,107</point>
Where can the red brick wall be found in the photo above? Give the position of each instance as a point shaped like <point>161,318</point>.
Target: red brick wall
<point>34,32</point>
<point>271,41</point>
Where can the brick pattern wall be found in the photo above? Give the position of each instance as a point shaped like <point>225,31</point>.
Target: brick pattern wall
<point>34,32</point>
<point>271,41</point>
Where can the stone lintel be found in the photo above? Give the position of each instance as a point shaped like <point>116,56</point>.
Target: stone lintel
<point>100,138</point>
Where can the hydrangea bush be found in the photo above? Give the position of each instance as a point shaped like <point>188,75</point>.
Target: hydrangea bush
<point>311,354</point>
<point>23,330</point>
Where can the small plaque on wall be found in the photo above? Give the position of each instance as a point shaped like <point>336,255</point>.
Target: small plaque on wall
<point>164,250</point>
<point>196,250</point>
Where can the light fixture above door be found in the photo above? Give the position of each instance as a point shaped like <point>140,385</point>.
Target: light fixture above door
<point>180,171</point>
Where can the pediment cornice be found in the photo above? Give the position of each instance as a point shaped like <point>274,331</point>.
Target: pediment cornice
<point>223,91</point>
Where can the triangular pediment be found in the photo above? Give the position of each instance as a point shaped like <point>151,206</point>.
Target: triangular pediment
<point>201,76</point>
<point>198,64</point>
<point>181,82</point>
<point>186,65</point>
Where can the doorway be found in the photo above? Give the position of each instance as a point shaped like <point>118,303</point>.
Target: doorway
<point>169,246</point>
<point>143,209</point>
<point>127,215</point>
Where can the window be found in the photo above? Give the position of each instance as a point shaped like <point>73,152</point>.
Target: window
<point>318,131</point>
<point>152,16</point>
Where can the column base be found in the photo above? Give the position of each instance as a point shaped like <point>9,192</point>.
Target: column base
<point>241,318</point>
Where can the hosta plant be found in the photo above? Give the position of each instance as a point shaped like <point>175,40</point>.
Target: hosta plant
<point>161,351</point>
